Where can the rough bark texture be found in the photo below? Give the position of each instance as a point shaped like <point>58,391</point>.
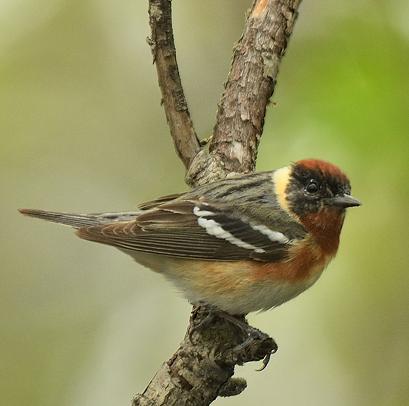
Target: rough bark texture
<point>249,86</point>
<point>202,367</point>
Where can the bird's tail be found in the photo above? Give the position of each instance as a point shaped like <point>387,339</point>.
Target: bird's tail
<point>79,220</point>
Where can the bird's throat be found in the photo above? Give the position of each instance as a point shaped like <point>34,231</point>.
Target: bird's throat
<point>325,226</point>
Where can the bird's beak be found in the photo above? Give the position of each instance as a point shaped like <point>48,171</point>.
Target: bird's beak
<point>343,201</point>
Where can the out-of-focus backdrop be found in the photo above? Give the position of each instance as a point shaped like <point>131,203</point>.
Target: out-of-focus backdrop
<point>82,129</point>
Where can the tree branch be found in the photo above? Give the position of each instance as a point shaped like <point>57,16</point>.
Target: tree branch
<point>249,86</point>
<point>164,55</point>
<point>202,367</point>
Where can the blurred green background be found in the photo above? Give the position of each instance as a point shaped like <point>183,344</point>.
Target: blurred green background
<point>82,129</point>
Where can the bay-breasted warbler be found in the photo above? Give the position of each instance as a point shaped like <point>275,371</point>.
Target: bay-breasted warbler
<point>242,244</point>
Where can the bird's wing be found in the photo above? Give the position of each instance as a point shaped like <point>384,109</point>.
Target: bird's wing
<point>154,203</point>
<point>193,229</point>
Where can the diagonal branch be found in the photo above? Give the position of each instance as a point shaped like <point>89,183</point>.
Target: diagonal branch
<point>173,98</point>
<point>251,81</point>
<point>202,367</point>
<point>249,86</point>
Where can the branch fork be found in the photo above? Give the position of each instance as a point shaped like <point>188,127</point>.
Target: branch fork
<point>202,368</point>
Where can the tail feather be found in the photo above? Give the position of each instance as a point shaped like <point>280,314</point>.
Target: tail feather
<point>79,220</point>
<point>73,220</point>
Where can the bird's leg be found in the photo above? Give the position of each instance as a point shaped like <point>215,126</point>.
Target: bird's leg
<point>210,316</point>
<point>213,312</point>
<point>241,323</point>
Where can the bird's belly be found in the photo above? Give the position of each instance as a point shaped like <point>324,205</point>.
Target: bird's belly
<point>237,292</point>
<point>237,287</point>
<point>268,294</point>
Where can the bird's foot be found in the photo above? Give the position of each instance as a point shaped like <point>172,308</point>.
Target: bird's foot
<point>257,345</point>
<point>254,345</point>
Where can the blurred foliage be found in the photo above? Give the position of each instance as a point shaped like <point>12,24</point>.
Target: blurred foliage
<point>82,129</point>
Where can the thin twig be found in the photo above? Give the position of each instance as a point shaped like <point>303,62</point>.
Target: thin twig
<point>173,98</point>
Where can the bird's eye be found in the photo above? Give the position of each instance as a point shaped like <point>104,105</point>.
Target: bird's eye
<point>312,187</point>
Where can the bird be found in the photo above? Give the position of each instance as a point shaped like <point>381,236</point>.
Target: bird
<point>242,244</point>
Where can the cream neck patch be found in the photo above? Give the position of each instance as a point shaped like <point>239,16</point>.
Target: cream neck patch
<point>281,178</point>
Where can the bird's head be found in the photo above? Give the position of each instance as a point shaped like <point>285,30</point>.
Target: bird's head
<point>315,186</point>
<point>318,193</point>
